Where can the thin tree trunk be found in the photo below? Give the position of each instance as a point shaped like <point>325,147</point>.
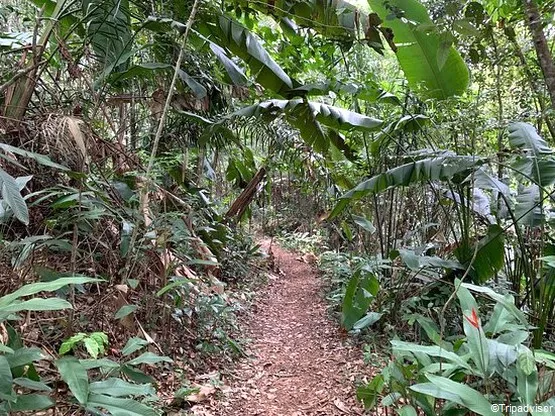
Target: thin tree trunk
<point>531,80</point>
<point>543,52</point>
<point>242,202</point>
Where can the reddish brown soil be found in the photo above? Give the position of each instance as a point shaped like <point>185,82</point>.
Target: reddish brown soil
<point>300,363</point>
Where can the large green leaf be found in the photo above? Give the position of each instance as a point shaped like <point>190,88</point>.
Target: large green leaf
<point>430,169</point>
<point>490,255</point>
<point>109,31</point>
<point>23,356</point>
<point>120,407</point>
<point>430,64</point>
<point>133,344</point>
<point>475,336</point>
<point>29,402</point>
<point>524,136</point>
<point>38,304</point>
<point>506,301</point>
<point>75,375</point>
<point>116,387</point>
<point>228,33</point>
<point>537,163</point>
<point>368,394</point>
<point>407,411</point>
<point>235,73</point>
<point>41,159</point>
<point>31,384</point>
<point>149,358</point>
<point>12,195</point>
<point>527,208</point>
<point>429,350</point>
<point>526,376</point>
<point>444,388</point>
<point>5,377</point>
<point>308,117</point>
<point>359,293</point>
<point>52,286</point>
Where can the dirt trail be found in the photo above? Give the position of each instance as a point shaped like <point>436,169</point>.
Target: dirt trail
<point>299,363</point>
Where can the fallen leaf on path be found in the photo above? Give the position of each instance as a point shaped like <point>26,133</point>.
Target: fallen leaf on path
<point>341,406</point>
<point>204,393</point>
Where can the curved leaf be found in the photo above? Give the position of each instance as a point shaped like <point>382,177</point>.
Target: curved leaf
<point>41,159</point>
<point>537,163</point>
<point>525,136</point>
<point>12,195</point>
<point>38,304</point>
<point>360,291</point>
<point>527,208</point>
<point>430,350</point>
<point>241,42</point>
<point>456,392</point>
<point>5,377</point>
<point>431,169</point>
<point>108,31</point>
<point>427,60</point>
<point>308,117</point>
<point>527,376</point>
<point>120,407</point>
<point>75,376</point>
<point>51,286</point>
<point>407,411</point>
<point>198,89</point>
<point>149,358</point>
<point>507,301</point>
<point>116,387</point>
<point>490,255</point>
<point>28,402</point>
<point>235,73</point>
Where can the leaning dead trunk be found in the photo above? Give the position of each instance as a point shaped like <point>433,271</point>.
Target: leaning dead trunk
<point>543,52</point>
<point>242,202</point>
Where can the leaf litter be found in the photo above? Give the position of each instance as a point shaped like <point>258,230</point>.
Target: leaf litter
<point>300,363</point>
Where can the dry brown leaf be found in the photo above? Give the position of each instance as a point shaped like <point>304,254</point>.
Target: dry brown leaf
<point>341,406</point>
<point>203,394</point>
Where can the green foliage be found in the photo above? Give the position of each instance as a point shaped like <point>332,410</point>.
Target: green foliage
<point>537,163</point>
<point>486,257</point>
<point>109,32</point>
<point>428,58</point>
<point>12,198</point>
<point>308,117</point>
<point>112,393</point>
<point>439,168</point>
<point>12,303</point>
<point>13,360</point>
<point>360,291</point>
<point>242,43</point>
<point>427,218</point>
<point>95,343</point>
<point>471,373</point>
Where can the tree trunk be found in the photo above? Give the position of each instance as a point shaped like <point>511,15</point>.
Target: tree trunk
<point>243,201</point>
<point>543,52</point>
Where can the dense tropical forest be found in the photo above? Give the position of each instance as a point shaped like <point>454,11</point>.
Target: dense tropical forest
<point>277,207</point>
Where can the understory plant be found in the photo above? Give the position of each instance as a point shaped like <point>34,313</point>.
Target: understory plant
<point>97,385</point>
<point>482,371</point>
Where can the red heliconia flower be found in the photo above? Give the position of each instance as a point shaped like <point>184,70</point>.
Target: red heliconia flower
<point>473,319</point>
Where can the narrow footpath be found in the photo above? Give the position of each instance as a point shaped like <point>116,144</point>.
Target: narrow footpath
<point>300,363</point>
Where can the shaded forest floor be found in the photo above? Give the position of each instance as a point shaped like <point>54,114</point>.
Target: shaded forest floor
<point>299,361</point>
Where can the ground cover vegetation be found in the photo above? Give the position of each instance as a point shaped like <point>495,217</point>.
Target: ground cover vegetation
<point>405,147</point>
